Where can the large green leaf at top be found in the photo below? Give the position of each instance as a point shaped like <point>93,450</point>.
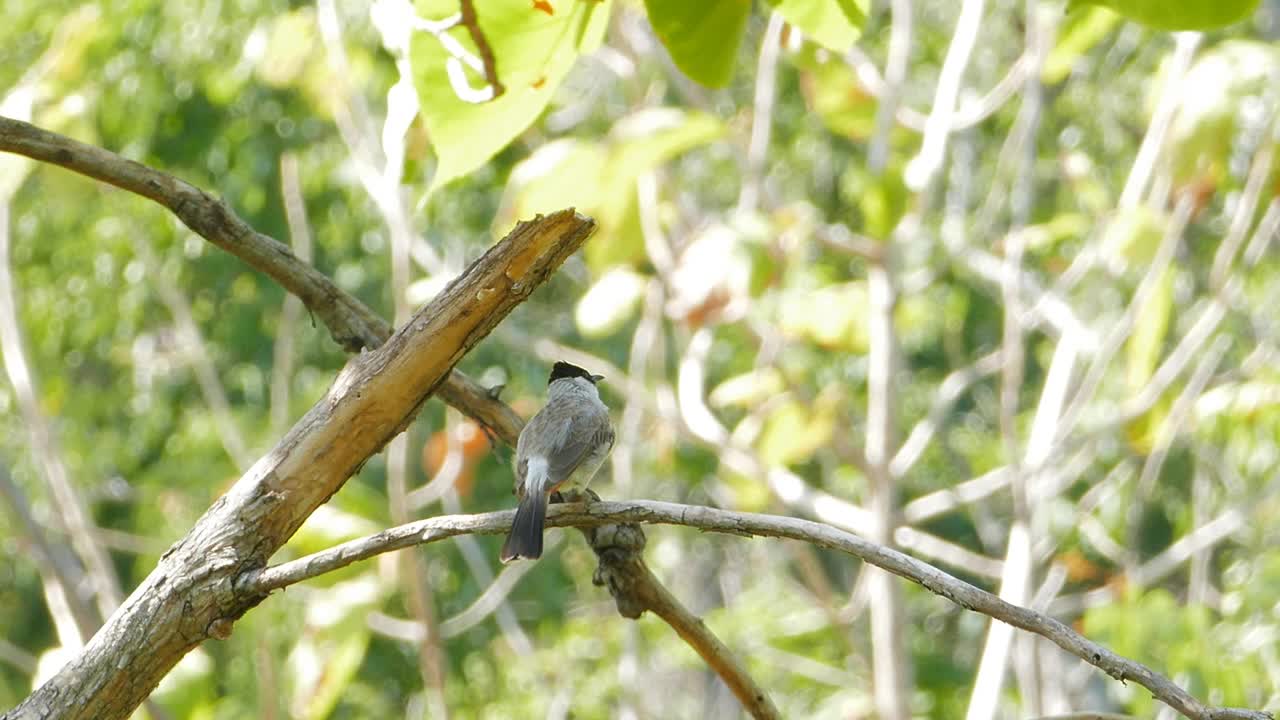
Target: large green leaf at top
<point>702,36</point>
<point>1178,14</point>
<point>834,24</point>
<point>534,49</point>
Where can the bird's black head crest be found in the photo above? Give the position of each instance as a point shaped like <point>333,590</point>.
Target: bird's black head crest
<point>569,370</point>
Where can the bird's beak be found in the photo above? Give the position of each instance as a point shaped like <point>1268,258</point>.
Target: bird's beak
<point>596,378</point>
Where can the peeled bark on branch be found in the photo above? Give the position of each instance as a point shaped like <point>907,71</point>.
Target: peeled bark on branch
<point>191,595</point>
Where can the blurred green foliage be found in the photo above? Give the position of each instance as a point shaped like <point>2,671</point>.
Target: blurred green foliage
<point>597,115</point>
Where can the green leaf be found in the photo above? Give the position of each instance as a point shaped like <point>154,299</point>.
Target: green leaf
<point>881,198</point>
<point>1132,238</point>
<point>1081,31</point>
<point>599,178</point>
<point>855,11</point>
<point>1187,640</point>
<point>1146,343</point>
<point>610,302</point>
<point>794,431</point>
<point>747,389</point>
<point>533,50</point>
<point>834,24</point>
<point>1178,14</point>
<point>832,90</point>
<point>702,37</point>
<point>833,317</point>
<point>1217,87</point>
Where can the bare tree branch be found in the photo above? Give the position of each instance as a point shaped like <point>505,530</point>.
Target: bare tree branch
<point>282,357</point>
<point>588,515</point>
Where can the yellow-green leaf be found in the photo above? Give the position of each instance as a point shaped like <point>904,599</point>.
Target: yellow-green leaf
<point>833,91</point>
<point>794,432</point>
<point>834,316</point>
<point>1217,86</point>
<point>1132,238</point>
<point>834,24</point>
<point>1178,14</point>
<point>747,389</point>
<point>599,178</point>
<point>1081,30</point>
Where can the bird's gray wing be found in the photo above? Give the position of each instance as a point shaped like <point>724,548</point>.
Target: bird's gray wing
<point>579,436</point>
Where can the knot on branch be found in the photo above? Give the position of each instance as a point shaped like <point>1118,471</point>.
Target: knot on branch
<point>620,551</point>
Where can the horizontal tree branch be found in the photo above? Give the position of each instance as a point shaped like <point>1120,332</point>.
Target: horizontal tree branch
<point>588,515</point>
<point>351,323</point>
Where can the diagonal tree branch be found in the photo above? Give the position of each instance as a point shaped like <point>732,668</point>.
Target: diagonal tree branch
<point>351,323</point>
<point>605,514</point>
<point>191,595</point>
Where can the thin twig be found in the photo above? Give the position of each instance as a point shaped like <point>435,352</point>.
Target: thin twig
<point>895,75</point>
<point>282,360</point>
<point>1178,416</point>
<point>761,115</point>
<point>1121,329</point>
<point>72,514</point>
<point>1170,98</point>
<point>472,24</point>
<point>924,166</point>
<point>1260,177</point>
<point>965,117</point>
<point>200,357</point>
<point>77,621</point>
<point>889,665</point>
<point>738,523</point>
<point>379,165</point>
<point>949,391</point>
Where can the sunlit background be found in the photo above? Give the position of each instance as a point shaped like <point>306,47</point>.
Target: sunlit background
<point>1013,312</point>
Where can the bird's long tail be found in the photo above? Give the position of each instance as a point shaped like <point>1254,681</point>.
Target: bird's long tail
<point>525,539</point>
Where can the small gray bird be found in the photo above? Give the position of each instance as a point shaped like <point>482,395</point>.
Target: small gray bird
<point>562,446</point>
